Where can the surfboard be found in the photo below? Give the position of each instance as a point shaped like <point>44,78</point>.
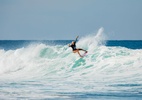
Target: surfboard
<point>84,54</point>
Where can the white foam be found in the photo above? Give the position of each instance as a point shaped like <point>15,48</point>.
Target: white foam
<point>40,61</point>
<point>91,41</point>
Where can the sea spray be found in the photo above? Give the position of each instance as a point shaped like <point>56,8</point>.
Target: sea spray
<point>91,41</point>
<point>52,71</point>
<point>45,61</point>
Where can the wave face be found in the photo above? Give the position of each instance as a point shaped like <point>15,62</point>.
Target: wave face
<point>48,71</point>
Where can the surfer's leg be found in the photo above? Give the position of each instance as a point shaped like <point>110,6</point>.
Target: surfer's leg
<point>83,50</point>
<point>79,53</point>
<point>77,50</point>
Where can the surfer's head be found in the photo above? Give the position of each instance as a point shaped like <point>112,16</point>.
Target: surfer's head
<point>73,42</point>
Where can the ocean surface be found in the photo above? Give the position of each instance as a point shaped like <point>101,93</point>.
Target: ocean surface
<point>48,70</point>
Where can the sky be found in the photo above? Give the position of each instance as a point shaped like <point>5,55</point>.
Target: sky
<point>65,19</point>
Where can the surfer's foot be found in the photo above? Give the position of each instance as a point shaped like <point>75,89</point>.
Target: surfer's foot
<point>81,56</point>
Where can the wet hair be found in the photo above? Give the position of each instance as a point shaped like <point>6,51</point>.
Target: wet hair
<point>73,41</point>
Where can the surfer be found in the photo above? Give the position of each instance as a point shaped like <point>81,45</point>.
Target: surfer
<point>73,46</point>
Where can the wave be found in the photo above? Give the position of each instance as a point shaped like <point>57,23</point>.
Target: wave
<point>102,63</point>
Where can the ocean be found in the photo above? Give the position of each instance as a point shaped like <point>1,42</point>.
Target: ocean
<point>48,70</point>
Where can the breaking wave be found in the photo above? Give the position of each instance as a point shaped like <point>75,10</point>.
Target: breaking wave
<point>116,65</point>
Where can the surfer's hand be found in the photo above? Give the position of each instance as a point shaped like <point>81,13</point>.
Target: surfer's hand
<point>77,37</point>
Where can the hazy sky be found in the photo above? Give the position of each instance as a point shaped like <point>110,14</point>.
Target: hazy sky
<point>64,19</point>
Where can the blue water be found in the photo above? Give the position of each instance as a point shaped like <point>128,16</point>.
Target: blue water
<point>131,44</point>
<point>112,70</point>
<point>15,44</point>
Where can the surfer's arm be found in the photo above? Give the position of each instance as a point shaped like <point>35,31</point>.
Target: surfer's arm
<point>76,38</point>
<point>69,45</point>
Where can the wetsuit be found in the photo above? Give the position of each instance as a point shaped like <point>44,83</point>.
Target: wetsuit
<point>73,46</point>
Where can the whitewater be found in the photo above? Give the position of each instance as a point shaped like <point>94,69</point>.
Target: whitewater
<point>44,71</point>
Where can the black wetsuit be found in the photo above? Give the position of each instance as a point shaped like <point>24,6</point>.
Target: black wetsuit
<point>73,46</point>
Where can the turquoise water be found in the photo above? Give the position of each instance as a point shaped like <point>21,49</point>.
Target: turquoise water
<point>49,70</point>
